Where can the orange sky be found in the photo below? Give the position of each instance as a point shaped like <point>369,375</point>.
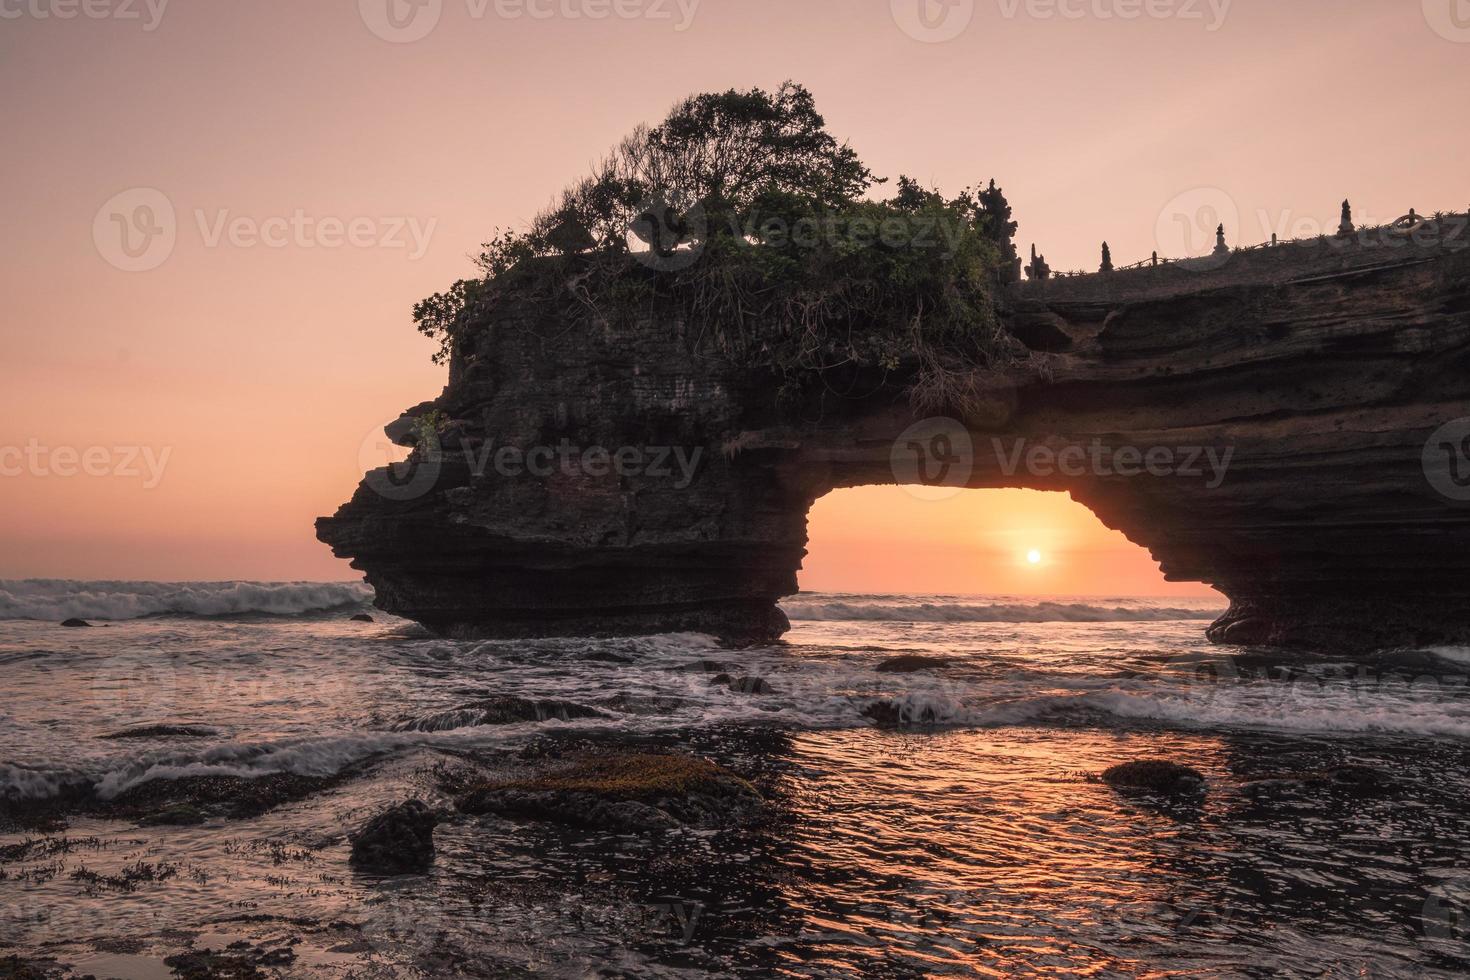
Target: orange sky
<point>261,366</point>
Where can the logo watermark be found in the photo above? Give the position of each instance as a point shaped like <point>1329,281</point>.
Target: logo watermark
<point>1189,226</point>
<point>939,456</point>
<point>932,21</point>
<point>1446,460</point>
<point>138,229</point>
<point>1099,459</point>
<point>406,21</point>
<point>148,13</point>
<point>1450,19</point>
<point>34,459</point>
<point>396,474</point>
<point>135,230</point>
<point>936,21</point>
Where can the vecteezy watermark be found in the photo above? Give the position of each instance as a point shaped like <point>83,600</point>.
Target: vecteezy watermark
<point>124,462</point>
<point>1097,458</point>
<point>684,915</point>
<point>658,462</point>
<point>932,21</point>
<point>396,474</point>
<point>939,456</point>
<point>1446,460</point>
<point>1450,19</point>
<point>1211,13</point>
<point>137,230</point>
<point>1446,916</point>
<point>933,459</point>
<point>147,12</point>
<point>668,239</point>
<point>1190,226</point>
<point>406,21</point>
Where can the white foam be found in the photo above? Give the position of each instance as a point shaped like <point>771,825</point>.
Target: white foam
<point>56,599</point>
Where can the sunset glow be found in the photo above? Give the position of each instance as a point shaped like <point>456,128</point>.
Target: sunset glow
<point>1015,542</point>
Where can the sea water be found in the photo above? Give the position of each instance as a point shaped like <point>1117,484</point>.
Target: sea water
<point>976,840</point>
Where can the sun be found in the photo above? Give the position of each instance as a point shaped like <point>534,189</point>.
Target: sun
<point>1033,557</point>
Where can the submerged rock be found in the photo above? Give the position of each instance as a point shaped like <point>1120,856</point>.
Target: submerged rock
<point>1154,775</point>
<point>15,968</point>
<point>623,791</point>
<point>890,714</point>
<point>362,618</point>
<point>240,962</point>
<point>497,711</point>
<point>176,815</point>
<point>910,662</point>
<point>75,623</point>
<point>164,731</point>
<point>397,841</point>
<point>213,796</point>
<point>1349,780</point>
<point>751,685</point>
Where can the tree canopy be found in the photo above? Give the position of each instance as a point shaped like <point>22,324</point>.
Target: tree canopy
<point>744,213</point>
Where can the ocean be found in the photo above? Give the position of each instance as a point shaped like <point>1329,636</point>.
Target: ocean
<point>966,835</point>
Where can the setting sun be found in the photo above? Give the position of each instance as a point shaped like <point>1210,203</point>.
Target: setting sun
<point>1033,557</point>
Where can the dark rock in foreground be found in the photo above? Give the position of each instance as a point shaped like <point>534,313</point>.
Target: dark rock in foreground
<point>1359,782</point>
<point>751,685</point>
<point>15,968</point>
<point>400,840</point>
<point>212,796</point>
<point>1154,775</point>
<point>911,662</point>
<point>890,714</point>
<point>174,815</point>
<point>164,731</point>
<point>240,962</point>
<point>497,711</point>
<point>625,792</point>
<point>76,623</point>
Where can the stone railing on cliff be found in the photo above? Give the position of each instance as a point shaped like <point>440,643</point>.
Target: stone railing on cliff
<point>619,479</point>
<point>1264,264</point>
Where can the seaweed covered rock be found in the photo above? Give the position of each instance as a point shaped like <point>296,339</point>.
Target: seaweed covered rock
<point>1155,776</point>
<point>623,791</point>
<point>400,840</point>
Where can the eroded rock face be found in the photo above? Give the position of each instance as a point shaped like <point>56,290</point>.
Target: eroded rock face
<point>1264,427</point>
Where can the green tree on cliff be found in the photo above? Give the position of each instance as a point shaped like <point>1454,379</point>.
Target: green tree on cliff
<point>742,213</point>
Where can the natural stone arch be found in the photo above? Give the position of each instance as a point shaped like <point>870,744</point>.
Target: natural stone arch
<point>1324,372</point>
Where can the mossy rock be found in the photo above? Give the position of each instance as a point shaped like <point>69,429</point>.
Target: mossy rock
<point>1155,776</point>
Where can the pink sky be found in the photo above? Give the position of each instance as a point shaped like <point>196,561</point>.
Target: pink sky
<point>262,367</point>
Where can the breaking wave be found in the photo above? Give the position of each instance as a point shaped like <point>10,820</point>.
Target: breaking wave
<point>57,599</point>
<point>937,611</point>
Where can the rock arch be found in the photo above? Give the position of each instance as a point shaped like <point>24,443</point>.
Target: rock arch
<point>1322,370</point>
